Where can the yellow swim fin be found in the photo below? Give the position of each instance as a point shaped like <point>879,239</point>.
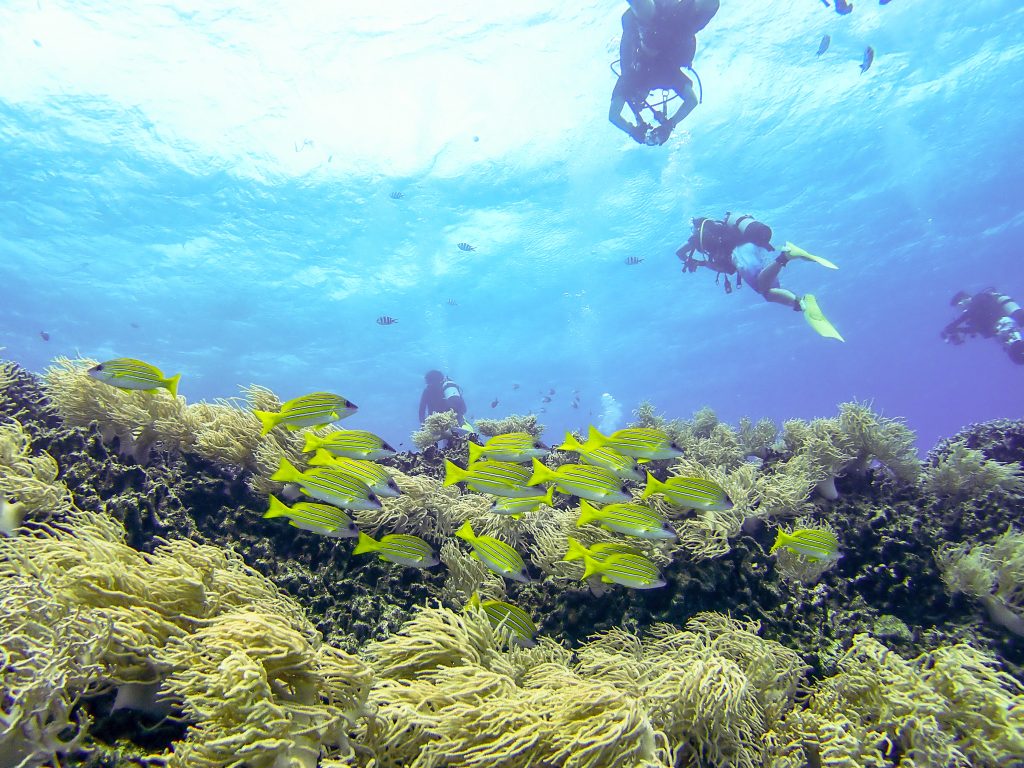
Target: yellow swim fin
<point>796,252</point>
<point>816,319</point>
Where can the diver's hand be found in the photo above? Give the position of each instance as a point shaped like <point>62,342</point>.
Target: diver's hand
<point>660,134</point>
<point>639,132</point>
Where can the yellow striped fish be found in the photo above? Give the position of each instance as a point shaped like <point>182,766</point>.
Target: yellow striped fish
<point>350,443</point>
<point>510,619</point>
<point>329,484</point>
<point>638,442</point>
<point>814,543</point>
<point>374,475</point>
<point>593,483</point>
<point>516,508</point>
<point>516,447</point>
<point>495,554</point>
<point>311,410</point>
<point>689,493</point>
<point>623,568</point>
<point>623,466</point>
<point>632,519</point>
<point>600,551</point>
<point>500,478</point>
<point>128,373</point>
<point>325,519</point>
<point>398,548</point>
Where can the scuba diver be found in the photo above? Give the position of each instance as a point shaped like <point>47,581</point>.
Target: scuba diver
<point>741,245</point>
<point>659,39</point>
<point>989,314</point>
<point>442,394</point>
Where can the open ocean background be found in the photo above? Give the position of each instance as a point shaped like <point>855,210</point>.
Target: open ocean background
<point>207,186</point>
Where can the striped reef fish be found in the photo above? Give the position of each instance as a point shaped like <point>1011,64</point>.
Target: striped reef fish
<point>334,486</point>
<point>310,410</point>
<point>495,554</point>
<point>398,548</point>
<point>689,493</point>
<point>517,507</point>
<point>128,373</point>
<point>325,519</point>
<point>600,551</point>
<point>511,619</point>
<point>624,568</point>
<point>629,518</point>
<point>603,456</point>
<point>516,447</point>
<point>350,443</point>
<point>638,442</point>
<point>814,543</point>
<point>593,483</point>
<point>500,478</point>
<point>374,475</point>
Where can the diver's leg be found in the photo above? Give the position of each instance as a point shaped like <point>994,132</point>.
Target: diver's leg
<point>782,296</point>
<point>703,12</point>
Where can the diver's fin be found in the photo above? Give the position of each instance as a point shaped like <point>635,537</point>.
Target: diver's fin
<point>466,428</point>
<point>816,319</point>
<point>796,252</point>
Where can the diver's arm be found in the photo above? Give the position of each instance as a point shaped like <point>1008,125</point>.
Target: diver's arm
<point>638,131</point>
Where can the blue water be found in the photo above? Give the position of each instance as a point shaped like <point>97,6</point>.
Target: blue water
<point>207,186</point>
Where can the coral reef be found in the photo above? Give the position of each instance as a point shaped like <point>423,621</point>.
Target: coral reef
<point>889,657</point>
<point>436,427</point>
<point>513,423</point>
<point>960,472</point>
<point>992,573</point>
<point>250,672</point>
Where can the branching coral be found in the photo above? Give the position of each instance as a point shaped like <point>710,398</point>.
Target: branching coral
<point>449,697</point>
<point>425,508</point>
<point>436,427</point>
<point>167,615</point>
<point>757,439</point>
<point>781,492</point>
<point>260,692</point>
<point>992,573</point>
<point>961,472</point>
<point>224,431</point>
<point>49,656</point>
<point>712,689</point>
<point>850,443</point>
<point>30,480</point>
<point>949,707</point>
<point>514,423</point>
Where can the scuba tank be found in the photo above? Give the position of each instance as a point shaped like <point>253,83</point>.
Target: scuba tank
<point>751,230</point>
<point>450,389</point>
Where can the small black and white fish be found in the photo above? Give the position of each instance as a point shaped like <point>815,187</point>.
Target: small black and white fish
<point>466,247</point>
<point>44,335</point>
<point>494,403</point>
<point>515,386</point>
<point>396,195</point>
<point>632,260</point>
<point>452,303</point>
<point>843,7</point>
<point>386,320</point>
<point>869,56</point>
<point>825,40</point>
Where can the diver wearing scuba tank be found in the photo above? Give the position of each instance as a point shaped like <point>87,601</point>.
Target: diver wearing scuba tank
<point>741,245</point>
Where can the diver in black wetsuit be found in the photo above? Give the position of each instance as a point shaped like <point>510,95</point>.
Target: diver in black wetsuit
<point>441,394</point>
<point>989,314</point>
<point>658,41</point>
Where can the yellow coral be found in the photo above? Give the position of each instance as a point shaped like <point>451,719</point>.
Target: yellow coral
<point>30,480</point>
